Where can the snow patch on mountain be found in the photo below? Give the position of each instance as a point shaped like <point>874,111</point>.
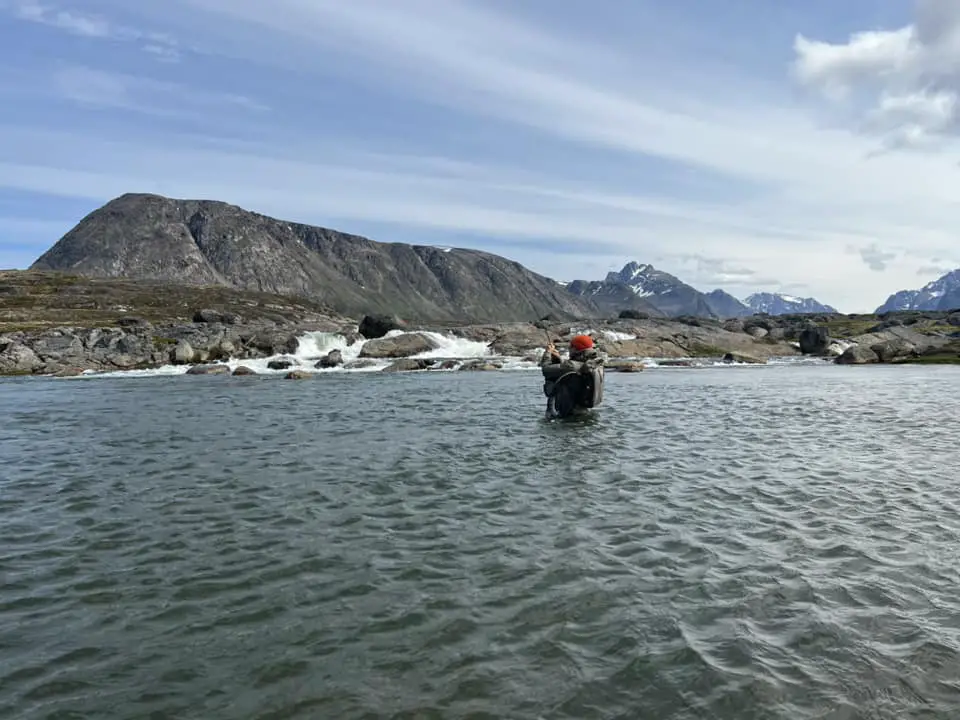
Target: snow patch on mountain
<point>940,294</point>
<point>781,304</point>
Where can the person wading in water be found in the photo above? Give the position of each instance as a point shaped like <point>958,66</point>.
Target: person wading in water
<point>583,360</point>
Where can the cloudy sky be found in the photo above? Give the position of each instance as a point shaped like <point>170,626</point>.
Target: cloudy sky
<point>806,147</point>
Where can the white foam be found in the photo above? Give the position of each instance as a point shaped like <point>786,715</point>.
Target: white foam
<point>453,347</point>
<point>313,346</point>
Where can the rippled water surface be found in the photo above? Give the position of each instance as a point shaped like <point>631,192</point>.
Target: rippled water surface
<point>719,543</point>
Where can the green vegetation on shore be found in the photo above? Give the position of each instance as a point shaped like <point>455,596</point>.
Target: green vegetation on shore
<point>32,300</point>
<point>948,354</point>
<point>926,322</point>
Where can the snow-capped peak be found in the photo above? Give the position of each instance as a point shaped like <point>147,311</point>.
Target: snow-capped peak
<point>940,294</point>
<point>780,304</point>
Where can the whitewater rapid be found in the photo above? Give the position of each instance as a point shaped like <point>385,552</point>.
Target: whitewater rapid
<point>312,346</point>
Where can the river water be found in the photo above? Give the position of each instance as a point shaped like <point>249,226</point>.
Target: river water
<point>766,542</point>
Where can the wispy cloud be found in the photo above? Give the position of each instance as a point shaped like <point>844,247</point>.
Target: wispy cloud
<point>161,46</point>
<point>100,88</point>
<point>71,22</point>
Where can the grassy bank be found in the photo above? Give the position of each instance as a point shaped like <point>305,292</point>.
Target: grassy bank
<point>34,300</point>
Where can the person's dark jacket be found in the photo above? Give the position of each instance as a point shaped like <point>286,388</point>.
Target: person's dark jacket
<point>553,365</point>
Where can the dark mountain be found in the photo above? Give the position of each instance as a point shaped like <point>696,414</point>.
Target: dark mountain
<point>941,294</point>
<point>202,242</point>
<point>646,287</point>
<point>726,305</point>
<point>779,304</point>
<point>613,297</point>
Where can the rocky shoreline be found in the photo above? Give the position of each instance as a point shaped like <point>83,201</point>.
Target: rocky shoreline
<point>66,328</point>
<point>213,337</point>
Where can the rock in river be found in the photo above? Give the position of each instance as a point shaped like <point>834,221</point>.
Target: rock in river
<point>209,370</point>
<point>814,341</point>
<point>858,355</point>
<point>407,365</point>
<point>330,360</point>
<point>398,346</point>
<point>376,326</point>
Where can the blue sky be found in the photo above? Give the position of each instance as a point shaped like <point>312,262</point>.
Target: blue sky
<point>806,147</point>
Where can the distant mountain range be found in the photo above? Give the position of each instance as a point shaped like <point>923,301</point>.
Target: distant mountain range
<point>779,304</point>
<point>646,289</point>
<point>204,242</point>
<point>941,294</point>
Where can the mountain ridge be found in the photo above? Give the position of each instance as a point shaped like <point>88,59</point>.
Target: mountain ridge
<point>940,294</point>
<point>641,285</point>
<point>782,304</point>
<point>210,242</point>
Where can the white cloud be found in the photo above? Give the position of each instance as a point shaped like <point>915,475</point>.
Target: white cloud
<point>809,194</point>
<point>909,76</point>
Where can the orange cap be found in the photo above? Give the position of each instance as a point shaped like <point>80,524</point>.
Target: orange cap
<point>581,342</point>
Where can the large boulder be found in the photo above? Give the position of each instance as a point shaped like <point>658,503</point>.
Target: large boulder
<point>858,355</point>
<point>331,360</point>
<point>182,353</point>
<point>281,364</point>
<point>17,359</point>
<point>58,345</point>
<point>376,326</point>
<point>398,346</point>
<point>734,325</point>
<point>273,341</point>
<point>814,340</point>
<point>516,340</point>
<point>894,349</point>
